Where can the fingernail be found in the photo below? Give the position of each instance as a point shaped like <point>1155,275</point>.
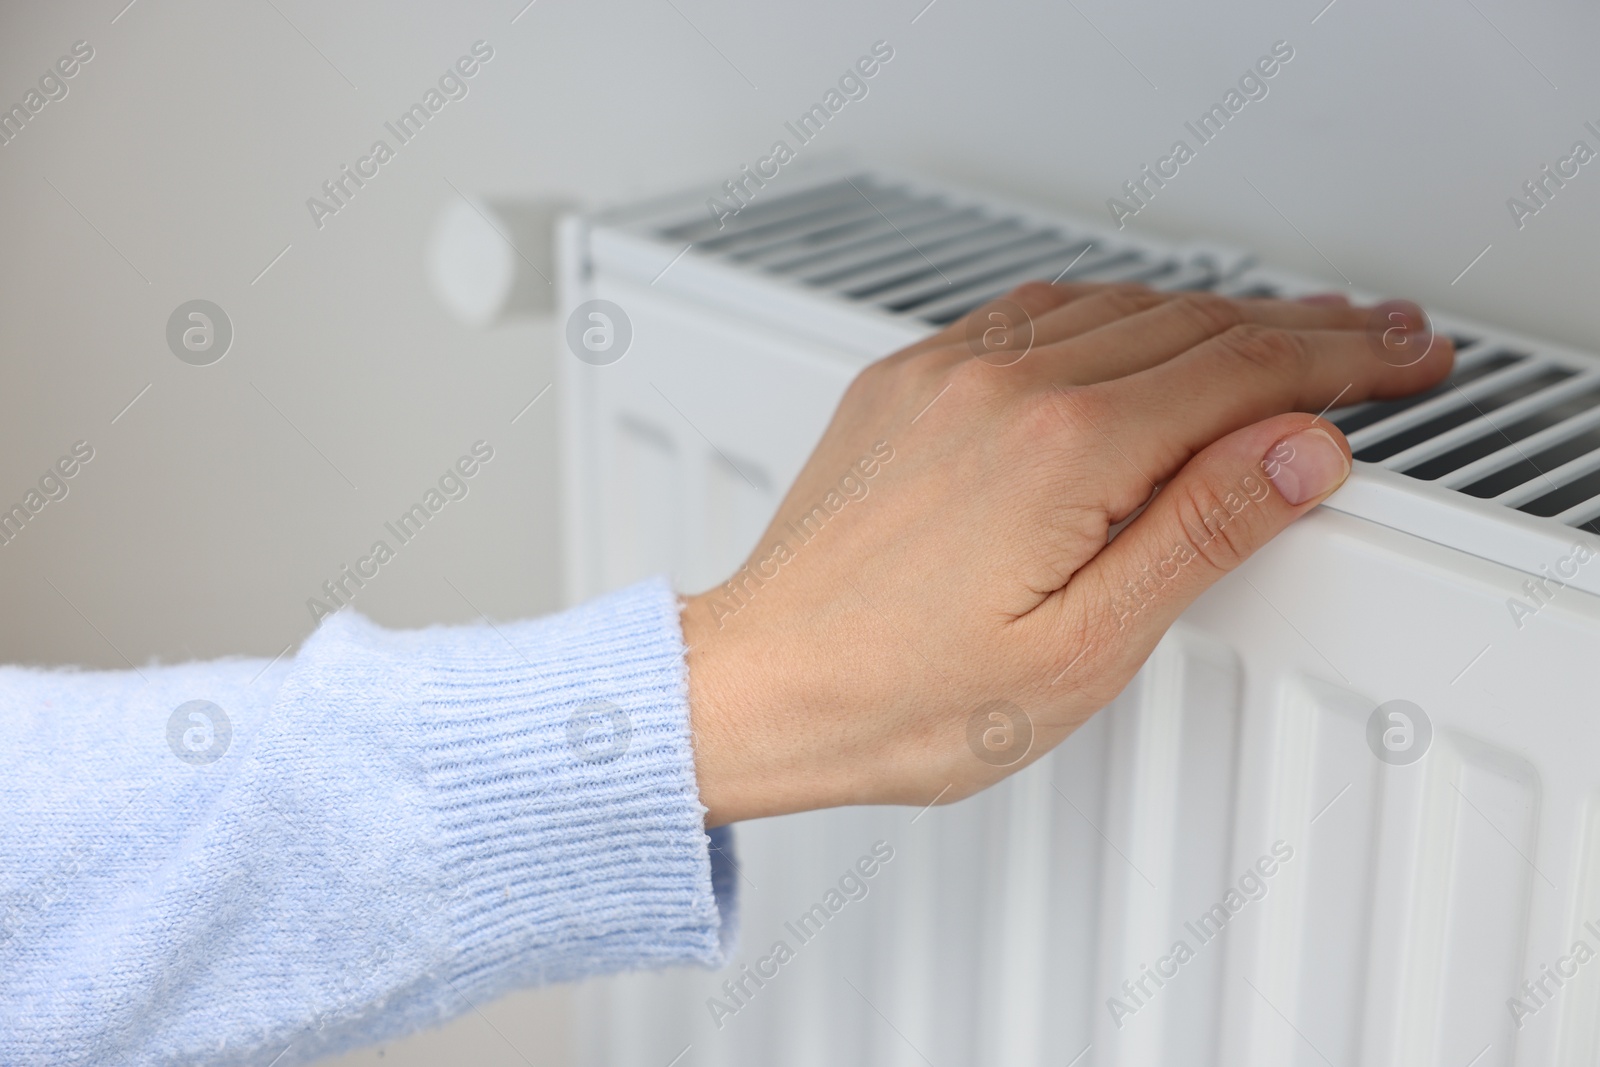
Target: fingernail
<point>1306,465</point>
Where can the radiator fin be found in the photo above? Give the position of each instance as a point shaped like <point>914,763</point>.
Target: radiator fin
<point>923,255</point>
<point>1516,426</point>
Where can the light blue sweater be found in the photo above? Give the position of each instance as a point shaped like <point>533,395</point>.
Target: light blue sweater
<point>393,828</point>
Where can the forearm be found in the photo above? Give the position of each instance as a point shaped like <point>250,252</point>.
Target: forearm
<point>402,825</point>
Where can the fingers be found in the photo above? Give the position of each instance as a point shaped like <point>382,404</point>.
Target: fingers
<point>1335,314</point>
<point>1125,326</point>
<point>1050,316</point>
<point>1102,305</point>
<point>1225,503</point>
<point>1093,308</point>
<point>1035,299</point>
<point>1127,344</point>
<point>1041,313</point>
<point>1169,412</point>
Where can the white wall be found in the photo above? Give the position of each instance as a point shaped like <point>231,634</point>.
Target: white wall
<point>191,141</point>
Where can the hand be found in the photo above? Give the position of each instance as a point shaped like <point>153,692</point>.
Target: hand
<point>936,604</point>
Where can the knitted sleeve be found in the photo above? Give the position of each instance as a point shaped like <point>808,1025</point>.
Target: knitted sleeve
<point>231,861</point>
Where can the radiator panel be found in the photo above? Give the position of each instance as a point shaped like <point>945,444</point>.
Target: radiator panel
<point>1418,898</point>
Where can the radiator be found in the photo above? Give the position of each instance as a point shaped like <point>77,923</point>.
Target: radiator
<point>1356,782</point>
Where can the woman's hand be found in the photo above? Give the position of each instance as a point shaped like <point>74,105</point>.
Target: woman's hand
<point>936,604</point>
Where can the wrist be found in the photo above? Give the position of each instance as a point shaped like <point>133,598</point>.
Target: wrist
<point>747,764</point>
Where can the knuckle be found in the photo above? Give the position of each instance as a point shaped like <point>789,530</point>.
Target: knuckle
<point>1106,612</point>
<point>1091,664</point>
<point>1126,300</point>
<point>1037,293</point>
<point>892,378</point>
<point>1033,297</point>
<point>1265,348</point>
<point>1069,412</point>
<point>975,382</point>
<point>1076,463</point>
<point>1038,418</point>
<point>875,375</point>
<point>1218,534</point>
<point>1212,313</point>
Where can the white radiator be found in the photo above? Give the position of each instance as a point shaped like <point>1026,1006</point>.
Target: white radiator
<point>1431,912</point>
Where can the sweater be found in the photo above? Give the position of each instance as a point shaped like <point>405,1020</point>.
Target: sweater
<point>222,863</point>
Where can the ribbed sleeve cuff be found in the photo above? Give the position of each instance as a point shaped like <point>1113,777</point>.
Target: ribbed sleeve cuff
<point>556,755</point>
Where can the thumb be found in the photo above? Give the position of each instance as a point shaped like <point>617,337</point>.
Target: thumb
<point>1226,502</point>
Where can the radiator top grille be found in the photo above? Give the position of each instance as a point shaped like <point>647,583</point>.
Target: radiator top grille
<point>1508,426</point>
<point>1512,424</point>
<point>918,254</point>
